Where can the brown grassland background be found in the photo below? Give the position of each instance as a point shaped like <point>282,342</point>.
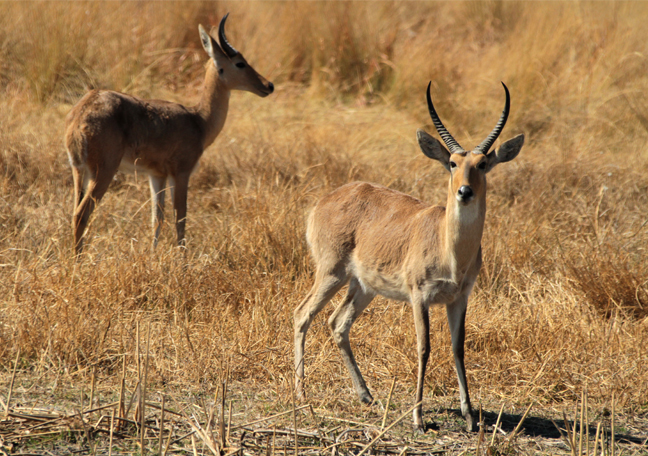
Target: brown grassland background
<point>561,304</point>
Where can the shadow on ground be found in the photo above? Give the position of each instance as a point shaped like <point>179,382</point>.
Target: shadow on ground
<point>537,426</point>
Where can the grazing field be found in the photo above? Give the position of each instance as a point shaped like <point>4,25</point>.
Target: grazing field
<point>559,315</point>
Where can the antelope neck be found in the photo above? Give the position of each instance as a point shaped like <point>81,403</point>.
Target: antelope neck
<point>464,228</point>
<point>213,105</point>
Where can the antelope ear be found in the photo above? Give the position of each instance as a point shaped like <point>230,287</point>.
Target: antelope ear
<point>433,149</point>
<point>506,152</point>
<point>212,48</point>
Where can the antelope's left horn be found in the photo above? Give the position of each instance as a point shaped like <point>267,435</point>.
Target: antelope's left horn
<point>485,146</point>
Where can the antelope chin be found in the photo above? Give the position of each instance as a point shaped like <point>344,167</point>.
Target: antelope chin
<point>465,201</point>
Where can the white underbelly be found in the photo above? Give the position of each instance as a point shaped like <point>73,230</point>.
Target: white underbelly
<point>439,290</point>
<point>394,293</point>
<point>391,286</point>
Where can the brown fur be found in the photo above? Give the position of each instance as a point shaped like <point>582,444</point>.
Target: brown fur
<point>370,226</point>
<point>381,241</point>
<point>144,133</point>
<point>107,130</point>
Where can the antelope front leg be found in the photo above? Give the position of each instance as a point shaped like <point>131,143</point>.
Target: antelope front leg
<point>422,325</point>
<point>181,187</point>
<point>457,323</point>
<point>157,205</point>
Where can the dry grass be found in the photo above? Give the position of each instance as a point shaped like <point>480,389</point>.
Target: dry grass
<point>561,305</point>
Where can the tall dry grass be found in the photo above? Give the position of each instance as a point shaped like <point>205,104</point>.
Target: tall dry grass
<point>561,303</point>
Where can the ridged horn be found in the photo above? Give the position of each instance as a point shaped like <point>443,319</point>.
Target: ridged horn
<point>443,132</point>
<point>485,146</point>
<point>227,48</point>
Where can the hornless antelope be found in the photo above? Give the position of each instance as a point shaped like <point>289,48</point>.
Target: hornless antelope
<point>388,243</point>
<point>107,131</point>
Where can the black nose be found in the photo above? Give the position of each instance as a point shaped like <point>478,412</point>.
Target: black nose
<point>465,192</point>
<point>270,87</point>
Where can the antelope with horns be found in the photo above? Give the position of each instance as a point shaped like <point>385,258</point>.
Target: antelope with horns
<point>106,131</point>
<point>381,241</point>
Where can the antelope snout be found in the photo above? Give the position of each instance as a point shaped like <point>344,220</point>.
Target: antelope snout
<point>465,194</point>
<point>267,89</point>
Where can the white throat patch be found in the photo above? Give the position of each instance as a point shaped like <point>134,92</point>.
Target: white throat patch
<point>467,214</point>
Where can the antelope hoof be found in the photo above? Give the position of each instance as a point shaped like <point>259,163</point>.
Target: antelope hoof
<point>366,397</point>
<point>299,390</point>
<point>418,429</point>
<point>471,423</point>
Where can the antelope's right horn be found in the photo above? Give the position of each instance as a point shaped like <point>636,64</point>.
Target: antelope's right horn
<point>227,48</point>
<point>443,132</point>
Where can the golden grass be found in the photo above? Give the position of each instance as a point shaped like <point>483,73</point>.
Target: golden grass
<point>561,304</point>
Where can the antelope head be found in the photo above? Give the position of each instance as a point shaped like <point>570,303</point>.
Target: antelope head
<point>233,70</point>
<point>468,168</point>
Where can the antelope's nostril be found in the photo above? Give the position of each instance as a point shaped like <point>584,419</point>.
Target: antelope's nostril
<point>270,87</point>
<point>465,192</point>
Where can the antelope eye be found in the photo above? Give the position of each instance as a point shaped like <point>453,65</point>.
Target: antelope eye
<point>240,65</point>
<point>453,165</point>
<point>482,165</point>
